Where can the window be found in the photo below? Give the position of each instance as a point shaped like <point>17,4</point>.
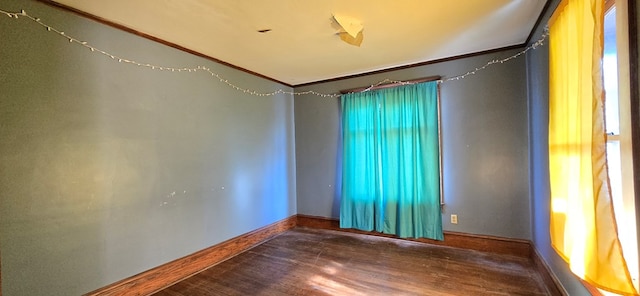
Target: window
<point>619,156</point>
<point>391,161</point>
<point>583,228</point>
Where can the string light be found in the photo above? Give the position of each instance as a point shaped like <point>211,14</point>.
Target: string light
<point>534,45</point>
<point>85,44</point>
<point>399,82</point>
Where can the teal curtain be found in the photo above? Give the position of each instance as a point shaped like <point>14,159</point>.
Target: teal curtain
<point>390,162</point>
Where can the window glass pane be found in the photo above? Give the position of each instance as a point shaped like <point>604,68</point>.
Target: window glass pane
<point>610,73</point>
<point>613,163</point>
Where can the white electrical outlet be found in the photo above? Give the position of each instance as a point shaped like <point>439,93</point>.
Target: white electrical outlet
<point>454,219</point>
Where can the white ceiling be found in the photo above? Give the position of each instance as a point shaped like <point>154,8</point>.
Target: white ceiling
<point>303,46</point>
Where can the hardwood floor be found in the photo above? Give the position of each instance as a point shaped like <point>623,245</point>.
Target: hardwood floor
<point>305,261</point>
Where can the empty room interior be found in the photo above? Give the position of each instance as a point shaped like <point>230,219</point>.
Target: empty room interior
<point>283,147</point>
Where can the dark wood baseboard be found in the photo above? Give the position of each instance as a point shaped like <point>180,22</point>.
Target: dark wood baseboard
<point>550,280</point>
<point>484,243</point>
<point>167,274</point>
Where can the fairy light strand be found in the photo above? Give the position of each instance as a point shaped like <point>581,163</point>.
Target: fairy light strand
<point>534,45</point>
<point>221,79</point>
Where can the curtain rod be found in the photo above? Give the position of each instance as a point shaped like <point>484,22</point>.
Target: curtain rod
<point>388,85</point>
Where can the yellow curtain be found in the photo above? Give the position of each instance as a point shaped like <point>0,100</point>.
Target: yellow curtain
<point>583,226</point>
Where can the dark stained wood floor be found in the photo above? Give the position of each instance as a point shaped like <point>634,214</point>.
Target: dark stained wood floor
<point>306,261</point>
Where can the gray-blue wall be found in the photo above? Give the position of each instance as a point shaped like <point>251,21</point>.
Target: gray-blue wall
<point>484,143</point>
<point>540,194</point>
<point>109,169</point>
